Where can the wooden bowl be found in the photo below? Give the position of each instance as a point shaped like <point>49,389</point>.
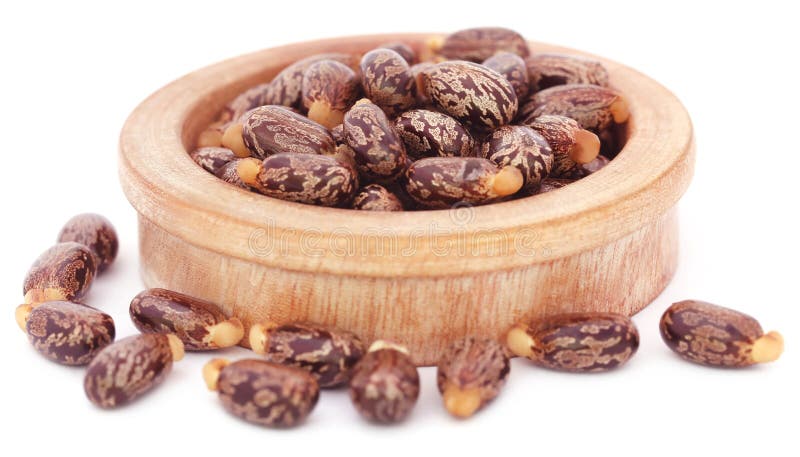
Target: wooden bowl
<point>606,243</point>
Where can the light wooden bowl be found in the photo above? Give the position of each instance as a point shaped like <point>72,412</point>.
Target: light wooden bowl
<point>606,243</point>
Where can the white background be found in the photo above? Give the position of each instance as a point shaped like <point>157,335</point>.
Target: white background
<point>72,72</point>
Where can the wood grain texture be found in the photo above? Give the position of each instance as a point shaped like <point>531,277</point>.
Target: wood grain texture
<point>605,243</point>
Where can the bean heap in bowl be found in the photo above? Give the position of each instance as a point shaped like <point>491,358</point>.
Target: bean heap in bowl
<point>474,119</point>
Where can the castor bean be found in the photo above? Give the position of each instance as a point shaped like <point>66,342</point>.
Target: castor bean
<point>385,383</point>
<point>232,171</point>
<point>713,335</point>
<point>476,96</point>
<point>572,145</point>
<point>337,133</point>
<point>273,129</point>
<point>403,49</point>
<point>304,178</point>
<point>96,233</point>
<point>329,89</point>
<point>284,89</point>
<point>262,392</point>
<point>479,43</point>
<point>233,139</point>
<point>387,81</point>
<point>125,370</point>
<point>595,165</point>
<point>375,197</point>
<point>418,72</point>
<point>548,70</point>
<point>428,133</point>
<point>63,272</point>
<point>578,342</point>
<point>68,333</point>
<point>327,353</point>
<point>521,147</point>
<point>212,158</point>
<point>595,108</point>
<point>440,182</point>
<point>200,325</point>
<point>551,184</point>
<point>379,151</point>
<point>471,374</point>
<point>512,67</point>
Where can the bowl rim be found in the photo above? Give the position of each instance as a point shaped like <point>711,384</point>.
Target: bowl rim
<point>164,185</point>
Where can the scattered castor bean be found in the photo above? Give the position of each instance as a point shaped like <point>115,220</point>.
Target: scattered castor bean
<point>403,49</point>
<point>125,370</point>
<point>327,353</point>
<point>304,178</point>
<point>262,392</point>
<point>471,374</point>
<point>513,68</point>
<point>523,148</point>
<point>441,182</point>
<point>273,129</point>
<point>199,324</point>
<point>385,383</point>
<point>96,233</point>
<point>577,342</point>
<point>713,335</point>
<point>428,133</point>
<point>476,96</point>
<point>379,151</point>
<point>480,43</point>
<point>387,81</point>
<point>375,197</point>
<point>572,145</point>
<point>63,272</point>
<point>329,89</point>
<point>548,70</point>
<point>68,333</point>
<point>595,108</point>
<point>233,139</point>
<point>212,158</point>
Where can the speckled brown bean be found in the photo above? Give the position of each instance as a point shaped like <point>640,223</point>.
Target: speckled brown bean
<point>63,272</point>
<point>385,385</point>
<point>428,133</point>
<point>512,67</point>
<point>476,96</point>
<point>262,392</point>
<point>125,370</point>
<point>273,129</point>
<point>230,173</point>
<point>595,108</point>
<point>551,184</point>
<point>329,354</point>
<point>548,70</point>
<point>329,89</point>
<point>471,374</point>
<point>379,151</point>
<point>96,233</point>
<point>521,147</point>
<point>405,51</point>
<point>375,197</point>
<point>212,158</point>
<point>387,81</point>
<point>480,43</point>
<point>571,145</point>
<point>306,178</point>
<point>708,334</point>
<point>337,133</point>
<point>199,324</point>
<point>441,182</point>
<point>69,333</point>
<point>577,342</point>
<point>285,89</point>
